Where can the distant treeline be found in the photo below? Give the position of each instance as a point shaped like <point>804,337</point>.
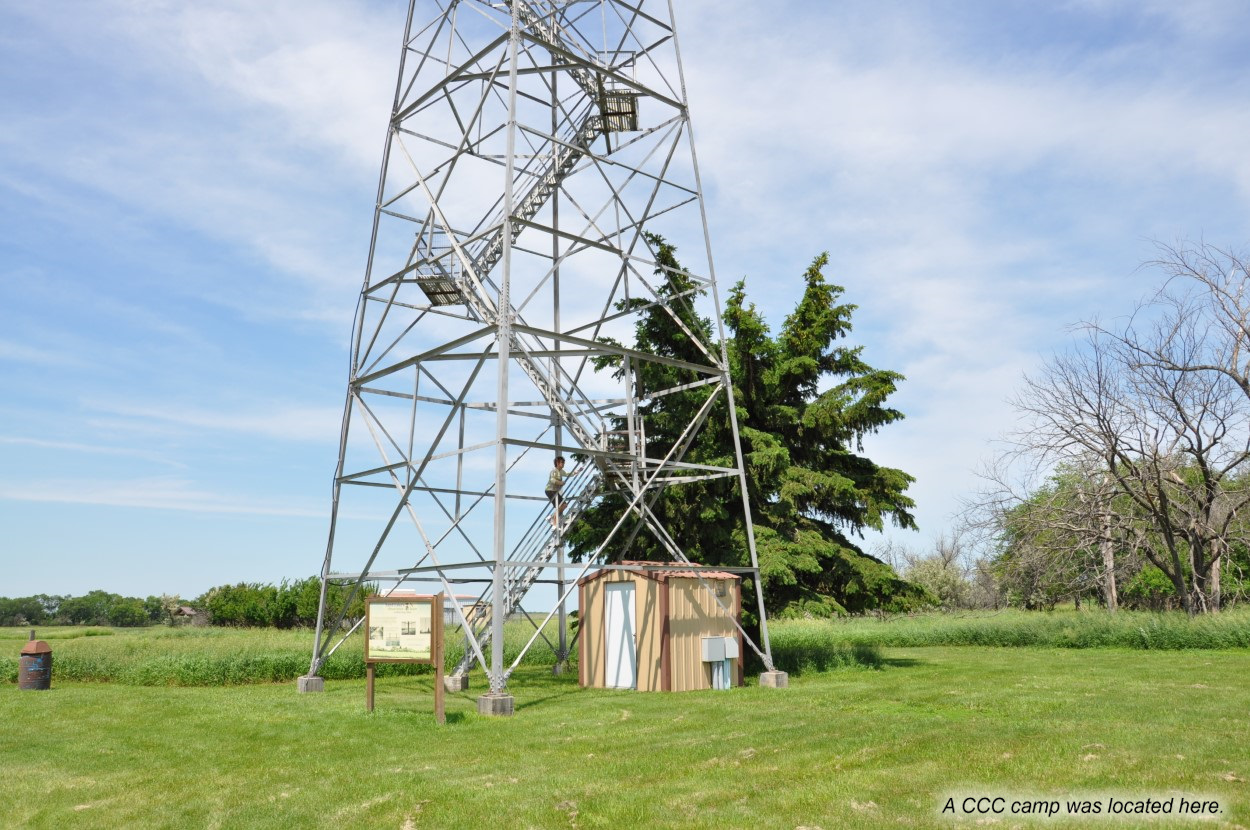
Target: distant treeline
<point>289,604</point>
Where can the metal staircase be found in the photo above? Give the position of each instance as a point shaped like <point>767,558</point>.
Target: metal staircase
<point>442,276</point>
<point>466,285</point>
<point>452,275</point>
<point>539,546</point>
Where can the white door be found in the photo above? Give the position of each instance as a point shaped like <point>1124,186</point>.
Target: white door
<point>621,663</point>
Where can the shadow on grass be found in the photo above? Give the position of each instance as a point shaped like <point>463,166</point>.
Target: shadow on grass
<point>901,662</point>
<point>539,701</point>
<point>814,655</point>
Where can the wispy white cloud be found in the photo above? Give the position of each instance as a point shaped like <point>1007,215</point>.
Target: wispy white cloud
<point>242,123</point>
<point>979,189</point>
<point>75,447</point>
<point>153,494</point>
<point>286,422</point>
<point>39,356</point>
<point>1207,20</point>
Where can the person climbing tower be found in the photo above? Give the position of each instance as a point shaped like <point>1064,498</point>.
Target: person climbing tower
<point>555,485</point>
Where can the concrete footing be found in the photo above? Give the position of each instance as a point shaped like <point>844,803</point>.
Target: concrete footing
<point>774,680</point>
<point>560,667</point>
<point>456,683</point>
<point>495,703</point>
<point>311,683</point>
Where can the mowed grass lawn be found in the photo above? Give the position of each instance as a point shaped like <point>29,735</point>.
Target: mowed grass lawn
<point>850,748</point>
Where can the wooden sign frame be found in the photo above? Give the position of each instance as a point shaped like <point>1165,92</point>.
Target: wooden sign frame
<point>385,616</point>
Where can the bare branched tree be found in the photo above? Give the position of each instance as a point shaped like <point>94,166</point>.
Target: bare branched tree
<point>1204,284</point>
<point>944,570</point>
<point>1152,419</point>
<point>1195,335</point>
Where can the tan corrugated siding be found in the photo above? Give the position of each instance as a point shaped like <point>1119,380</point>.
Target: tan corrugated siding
<point>693,615</point>
<point>684,632</point>
<point>590,644</point>
<point>742,646</point>
<point>649,628</point>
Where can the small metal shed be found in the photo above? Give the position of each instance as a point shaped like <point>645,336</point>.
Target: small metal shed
<point>648,627</point>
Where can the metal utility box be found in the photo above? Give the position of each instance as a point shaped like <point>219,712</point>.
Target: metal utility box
<point>713,649</point>
<point>721,654</point>
<point>720,648</point>
<point>647,628</point>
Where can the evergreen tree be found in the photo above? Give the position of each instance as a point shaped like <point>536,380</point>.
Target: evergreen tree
<point>805,402</point>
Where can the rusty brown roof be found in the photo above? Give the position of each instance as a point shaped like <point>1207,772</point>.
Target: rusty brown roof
<point>649,570</point>
<point>693,572</point>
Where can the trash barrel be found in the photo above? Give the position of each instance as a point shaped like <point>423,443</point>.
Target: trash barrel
<point>35,669</point>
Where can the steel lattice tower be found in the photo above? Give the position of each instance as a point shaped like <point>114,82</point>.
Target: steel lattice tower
<point>532,147</point>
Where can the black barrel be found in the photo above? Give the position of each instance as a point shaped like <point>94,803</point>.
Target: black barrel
<point>35,669</point>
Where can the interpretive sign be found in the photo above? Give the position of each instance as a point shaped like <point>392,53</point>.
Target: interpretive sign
<point>400,629</point>
<point>404,630</point>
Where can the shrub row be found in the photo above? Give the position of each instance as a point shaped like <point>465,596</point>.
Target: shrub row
<point>219,656</point>
<point>289,604</point>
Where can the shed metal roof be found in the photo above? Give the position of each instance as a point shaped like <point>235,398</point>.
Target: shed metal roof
<point>661,571</point>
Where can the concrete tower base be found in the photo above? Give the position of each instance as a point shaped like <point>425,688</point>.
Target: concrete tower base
<point>496,704</point>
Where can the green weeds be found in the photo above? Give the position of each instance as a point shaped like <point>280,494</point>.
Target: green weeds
<point>800,647</point>
<point>163,656</point>
<point>1059,629</point>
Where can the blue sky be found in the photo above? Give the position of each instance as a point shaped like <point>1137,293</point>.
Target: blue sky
<point>186,192</point>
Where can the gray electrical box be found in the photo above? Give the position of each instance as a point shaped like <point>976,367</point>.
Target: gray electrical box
<point>720,652</point>
<point>716,649</point>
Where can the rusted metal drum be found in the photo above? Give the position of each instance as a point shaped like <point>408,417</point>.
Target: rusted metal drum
<point>35,668</point>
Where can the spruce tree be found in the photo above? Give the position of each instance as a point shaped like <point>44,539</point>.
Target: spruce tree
<point>805,402</point>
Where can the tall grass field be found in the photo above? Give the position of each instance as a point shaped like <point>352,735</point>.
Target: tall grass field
<point>189,656</point>
<point>1058,629</point>
<point>151,728</point>
<point>207,656</point>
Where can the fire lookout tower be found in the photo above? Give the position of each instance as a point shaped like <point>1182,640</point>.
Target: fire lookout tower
<point>533,151</point>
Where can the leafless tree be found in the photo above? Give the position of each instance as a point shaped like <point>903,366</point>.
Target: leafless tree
<point>1207,285</point>
<point>1198,328</point>
<point>943,571</point>
<point>1157,410</point>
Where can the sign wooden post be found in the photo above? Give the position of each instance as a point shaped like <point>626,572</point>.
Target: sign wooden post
<point>369,674</point>
<point>439,659</point>
<point>405,630</point>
